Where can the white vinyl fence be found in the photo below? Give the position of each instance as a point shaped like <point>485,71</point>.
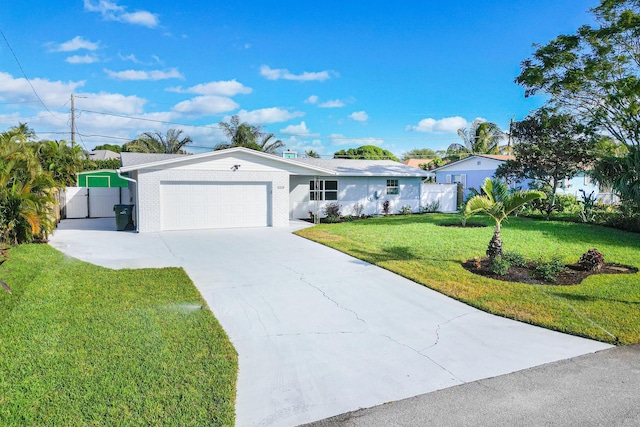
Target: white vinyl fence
<point>94,202</point>
<point>443,194</point>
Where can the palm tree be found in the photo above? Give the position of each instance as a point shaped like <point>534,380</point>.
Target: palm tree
<point>26,208</point>
<point>312,154</point>
<point>498,202</point>
<point>61,160</point>
<point>480,138</point>
<point>155,142</point>
<point>242,134</point>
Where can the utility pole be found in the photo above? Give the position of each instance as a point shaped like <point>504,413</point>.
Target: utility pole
<point>73,122</point>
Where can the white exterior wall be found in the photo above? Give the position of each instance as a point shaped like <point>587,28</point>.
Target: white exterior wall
<point>352,190</point>
<point>149,181</point>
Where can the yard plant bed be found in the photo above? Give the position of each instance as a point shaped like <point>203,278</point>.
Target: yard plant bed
<point>603,307</point>
<point>85,345</point>
<point>573,274</point>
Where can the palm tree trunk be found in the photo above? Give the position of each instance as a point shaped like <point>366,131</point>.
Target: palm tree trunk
<point>495,245</point>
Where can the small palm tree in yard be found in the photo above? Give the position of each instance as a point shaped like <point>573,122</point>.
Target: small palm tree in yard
<point>498,202</point>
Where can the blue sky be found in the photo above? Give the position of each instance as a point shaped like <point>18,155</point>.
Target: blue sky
<point>320,75</point>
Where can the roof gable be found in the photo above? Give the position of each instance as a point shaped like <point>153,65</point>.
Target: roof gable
<point>462,164</point>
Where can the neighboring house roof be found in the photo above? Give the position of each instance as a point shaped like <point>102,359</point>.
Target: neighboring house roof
<point>415,163</point>
<point>351,167</point>
<point>452,165</point>
<point>103,155</point>
<point>136,161</point>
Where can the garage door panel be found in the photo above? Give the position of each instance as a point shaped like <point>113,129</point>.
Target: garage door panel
<point>200,205</point>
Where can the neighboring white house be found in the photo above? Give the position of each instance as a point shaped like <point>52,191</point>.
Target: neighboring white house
<point>239,187</point>
<point>470,171</point>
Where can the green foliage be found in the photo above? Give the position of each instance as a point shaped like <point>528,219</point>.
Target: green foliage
<point>367,152</point>
<point>548,148</point>
<point>548,270</point>
<point>242,134</point>
<point>497,202</point>
<point>419,153</point>
<point>405,210</point>
<point>431,207</point>
<point>26,188</point>
<point>155,142</point>
<point>111,147</point>
<point>515,259</point>
<point>481,137</point>
<point>101,164</point>
<point>500,265</point>
<point>595,75</point>
<point>84,345</point>
<point>312,154</point>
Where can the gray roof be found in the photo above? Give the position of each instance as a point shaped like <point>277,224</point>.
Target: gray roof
<point>351,167</point>
<point>103,155</point>
<point>134,159</point>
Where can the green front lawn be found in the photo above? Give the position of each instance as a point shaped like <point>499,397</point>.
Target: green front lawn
<point>603,307</point>
<point>85,345</point>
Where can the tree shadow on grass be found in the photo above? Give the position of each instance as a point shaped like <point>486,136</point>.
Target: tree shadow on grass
<point>393,253</point>
<point>589,298</point>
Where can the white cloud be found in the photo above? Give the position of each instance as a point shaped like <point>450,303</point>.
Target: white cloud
<point>359,116</point>
<point>268,115</point>
<point>82,59</point>
<point>111,11</point>
<point>284,74</point>
<point>18,89</point>
<point>333,103</point>
<point>144,75</point>
<point>205,105</point>
<point>445,125</point>
<point>131,58</point>
<point>339,139</point>
<point>313,99</point>
<point>223,88</point>
<point>76,43</point>
<point>110,102</point>
<point>297,130</point>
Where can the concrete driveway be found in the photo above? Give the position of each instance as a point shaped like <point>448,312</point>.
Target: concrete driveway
<point>319,333</point>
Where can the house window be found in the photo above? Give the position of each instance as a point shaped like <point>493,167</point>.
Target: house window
<point>461,178</point>
<point>392,186</point>
<point>323,190</point>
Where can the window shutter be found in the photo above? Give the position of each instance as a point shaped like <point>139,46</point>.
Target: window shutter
<point>448,179</point>
<point>463,180</point>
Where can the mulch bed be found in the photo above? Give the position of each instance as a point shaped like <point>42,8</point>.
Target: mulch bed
<point>572,275</point>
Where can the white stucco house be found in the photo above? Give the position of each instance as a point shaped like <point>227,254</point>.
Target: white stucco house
<point>470,171</point>
<point>239,187</point>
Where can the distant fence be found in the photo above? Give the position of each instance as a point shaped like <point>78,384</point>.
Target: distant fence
<point>84,202</point>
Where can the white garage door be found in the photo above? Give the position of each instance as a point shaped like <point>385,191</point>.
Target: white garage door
<point>200,205</point>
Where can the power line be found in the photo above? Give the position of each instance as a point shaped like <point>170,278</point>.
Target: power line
<point>23,73</point>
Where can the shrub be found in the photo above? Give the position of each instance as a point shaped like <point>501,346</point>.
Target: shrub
<point>548,270</point>
<point>515,259</point>
<point>358,208</point>
<point>405,210</point>
<point>500,266</point>
<point>591,260</point>
<point>332,210</point>
<point>431,207</point>
<point>348,218</point>
<point>386,207</point>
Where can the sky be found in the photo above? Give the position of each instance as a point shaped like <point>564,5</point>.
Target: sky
<point>321,76</point>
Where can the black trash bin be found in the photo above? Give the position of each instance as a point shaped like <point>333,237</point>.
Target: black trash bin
<point>124,217</point>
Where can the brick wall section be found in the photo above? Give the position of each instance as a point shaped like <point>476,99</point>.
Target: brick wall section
<point>149,182</point>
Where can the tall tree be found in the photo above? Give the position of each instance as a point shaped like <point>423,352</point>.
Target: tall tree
<point>419,153</point>
<point>111,147</point>
<point>498,202</point>
<point>481,137</point>
<point>595,74</point>
<point>61,160</point>
<point>548,148</point>
<point>155,142</point>
<point>242,134</point>
<point>368,152</point>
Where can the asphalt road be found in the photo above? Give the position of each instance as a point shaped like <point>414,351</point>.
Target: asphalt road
<point>599,389</point>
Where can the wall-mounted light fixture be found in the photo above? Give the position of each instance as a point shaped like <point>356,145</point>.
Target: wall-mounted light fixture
<point>235,167</point>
